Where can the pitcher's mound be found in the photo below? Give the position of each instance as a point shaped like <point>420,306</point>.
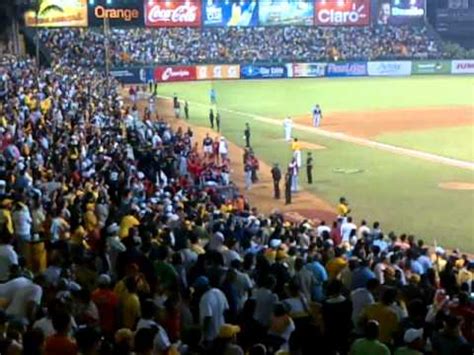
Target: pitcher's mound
<point>454,185</point>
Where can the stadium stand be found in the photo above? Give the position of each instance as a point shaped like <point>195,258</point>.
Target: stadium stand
<point>145,256</point>
<point>139,46</point>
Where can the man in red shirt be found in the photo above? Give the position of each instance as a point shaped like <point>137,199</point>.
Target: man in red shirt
<point>60,343</point>
<point>107,303</point>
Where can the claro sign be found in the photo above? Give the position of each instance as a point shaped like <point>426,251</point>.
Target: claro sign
<point>173,13</point>
<point>121,13</point>
<point>342,13</point>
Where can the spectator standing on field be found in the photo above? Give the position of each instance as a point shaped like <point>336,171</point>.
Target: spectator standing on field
<point>276,177</point>
<point>186,110</point>
<point>247,135</point>
<point>211,118</point>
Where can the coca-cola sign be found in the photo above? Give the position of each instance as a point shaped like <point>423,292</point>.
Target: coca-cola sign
<point>172,13</point>
<point>346,13</point>
<point>175,73</point>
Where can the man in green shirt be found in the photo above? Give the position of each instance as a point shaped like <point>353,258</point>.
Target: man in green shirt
<point>369,344</point>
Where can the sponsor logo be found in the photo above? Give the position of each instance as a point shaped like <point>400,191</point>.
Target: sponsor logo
<point>124,14</point>
<point>411,12</point>
<point>395,68</point>
<point>347,69</point>
<point>350,13</point>
<point>181,14</point>
<point>462,67</point>
<point>218,72</point>
<point>306,70</point>
<point>256,71</point>
<point>177,73</point>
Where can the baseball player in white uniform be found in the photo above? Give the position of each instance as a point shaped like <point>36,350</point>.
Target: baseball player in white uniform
<point>287,126</point>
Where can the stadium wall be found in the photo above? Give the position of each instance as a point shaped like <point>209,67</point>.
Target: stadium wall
<point>172,73</point>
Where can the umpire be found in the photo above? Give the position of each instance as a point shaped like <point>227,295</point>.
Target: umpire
<point>276,176</point>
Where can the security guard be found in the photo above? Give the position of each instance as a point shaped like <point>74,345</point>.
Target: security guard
<point>309,168</point>
<point>276,176</point>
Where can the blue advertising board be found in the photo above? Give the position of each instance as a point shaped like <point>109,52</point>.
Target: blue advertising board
<point>346,69</point>
<point>262,71</point>
<point>226,13</point>
<point>132,75</point>
<point>286,12</point>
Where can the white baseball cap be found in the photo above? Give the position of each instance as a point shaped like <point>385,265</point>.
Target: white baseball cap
<point>412,334</point>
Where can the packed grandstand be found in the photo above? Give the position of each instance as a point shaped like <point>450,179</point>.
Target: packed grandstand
<point>119,235</point>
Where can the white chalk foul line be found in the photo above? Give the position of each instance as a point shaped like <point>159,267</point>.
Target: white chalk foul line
<point>356,140</point>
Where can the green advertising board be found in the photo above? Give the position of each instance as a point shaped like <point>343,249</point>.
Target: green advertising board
<point>423,67</point>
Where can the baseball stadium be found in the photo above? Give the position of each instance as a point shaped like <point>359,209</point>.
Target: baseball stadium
<point>237,177</point>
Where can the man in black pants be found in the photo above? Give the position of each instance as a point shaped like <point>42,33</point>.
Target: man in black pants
<point>309,168</point>
<point>276,176</point>
<point>186,110</point>
<point>211,118</point>
<point>288,178</point>
<point>247,135</point>
<point>218,121</point>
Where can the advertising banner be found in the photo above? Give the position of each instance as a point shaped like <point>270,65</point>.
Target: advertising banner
<point>462,66</point>
<point>342,13</point>
<point>306,70</point>
<point>217,72</point>
<point>285,12</point>
<point>175,73</point>
<point>73,14</point>
<point>394,68</point>
<point>262,71</point>
<point>400,11</point>
<point>132,75</point>
<point>172,13</point>
<point>119,13</point>
<point>225,13</point>
<point>346,69</point>
<point>431,67</point>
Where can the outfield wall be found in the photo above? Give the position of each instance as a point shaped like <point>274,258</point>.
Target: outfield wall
<point>172,73</point>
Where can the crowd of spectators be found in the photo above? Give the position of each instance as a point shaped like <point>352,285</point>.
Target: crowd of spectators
<point>140,46</point>
<point>111,244</point>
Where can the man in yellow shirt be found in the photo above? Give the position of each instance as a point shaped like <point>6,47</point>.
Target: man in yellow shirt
<point>343,208</point>
<point>335,266</point>
<point>384,313</point>
<point>130,304</point>
<point>128,222</point>
<point>6,215</point>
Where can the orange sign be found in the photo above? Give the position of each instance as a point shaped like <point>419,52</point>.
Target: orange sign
<point>73,14</point>
<point>217,72</point>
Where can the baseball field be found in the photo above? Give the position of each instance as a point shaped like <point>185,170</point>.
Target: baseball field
<point>401,150</point>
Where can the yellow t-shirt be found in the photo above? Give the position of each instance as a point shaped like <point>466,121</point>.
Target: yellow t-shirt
<point>126,224</point>
<point>6,219</point>
<point>342,210</point>
<point>295,146</point>
<point>387,319</point>
<point>130,310</point>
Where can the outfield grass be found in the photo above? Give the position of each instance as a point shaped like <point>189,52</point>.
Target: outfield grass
<point>452,142</point>
<point>399,191</point>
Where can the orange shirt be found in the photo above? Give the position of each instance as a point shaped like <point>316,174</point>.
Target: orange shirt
<point>59,345</point>
<point>107,304</point>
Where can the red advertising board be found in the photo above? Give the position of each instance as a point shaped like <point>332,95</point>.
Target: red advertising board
<point>342,12</point>
<point>175,73</point>
<point>173,13</point>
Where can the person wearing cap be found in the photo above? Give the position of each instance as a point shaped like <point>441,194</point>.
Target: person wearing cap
<point>225,343</point>
<point>370,343</point>
<point>414,343</point>
<point>107,304</point>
